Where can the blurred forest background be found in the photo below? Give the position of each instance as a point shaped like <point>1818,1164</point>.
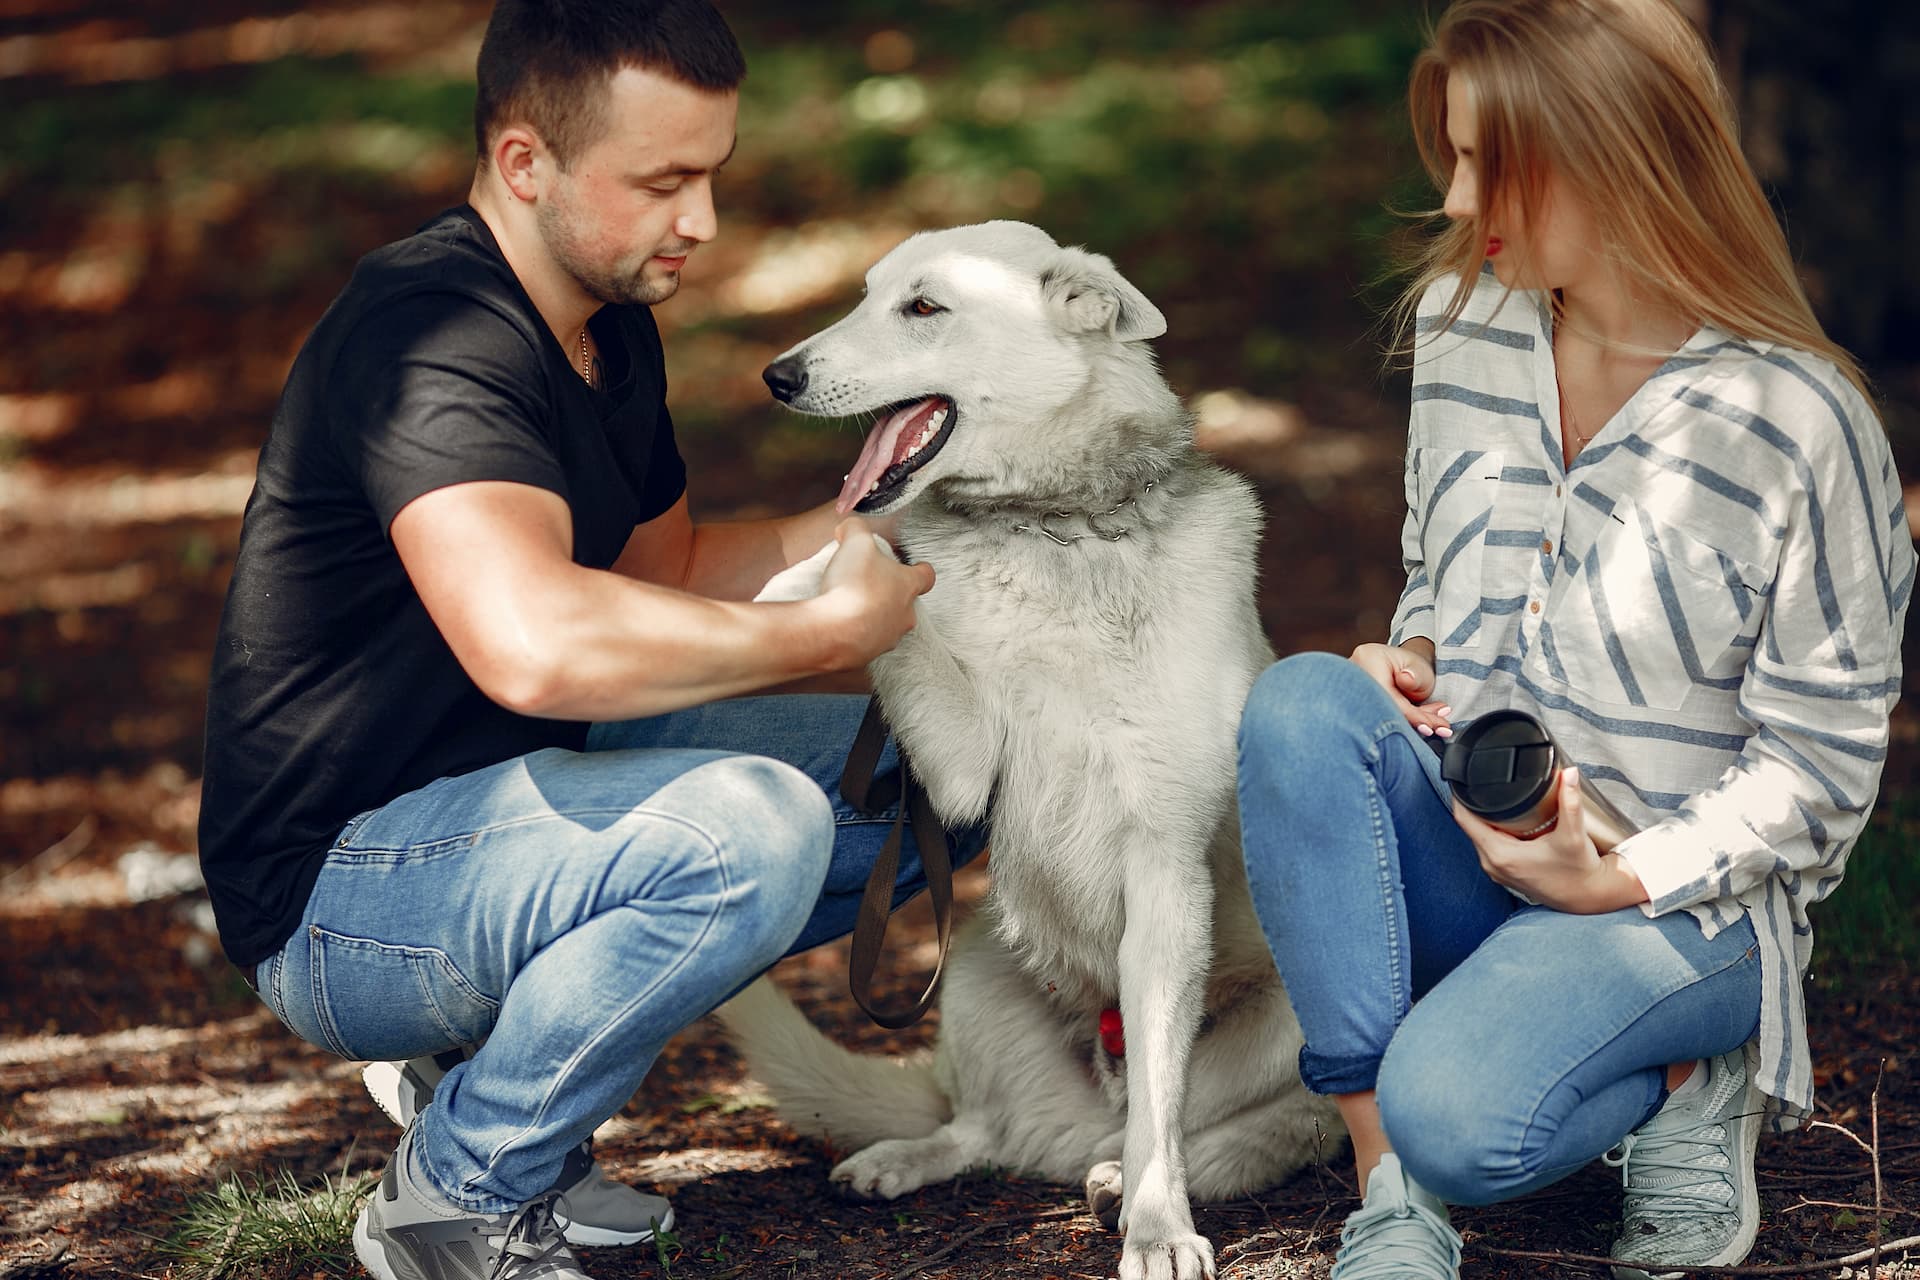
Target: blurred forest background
<point>183,188</point>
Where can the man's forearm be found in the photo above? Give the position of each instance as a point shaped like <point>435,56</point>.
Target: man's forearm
<point>545,636</point>
<point>732,560</point>
<point>608,648</point>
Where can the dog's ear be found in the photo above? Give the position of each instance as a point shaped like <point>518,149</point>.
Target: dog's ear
<point>1088,294</point>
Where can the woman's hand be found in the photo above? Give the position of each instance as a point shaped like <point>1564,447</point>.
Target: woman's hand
<point>1405,671</point>
<point>1559,868</point>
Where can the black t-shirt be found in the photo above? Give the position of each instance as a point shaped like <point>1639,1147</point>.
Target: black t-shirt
<point>332,691</point>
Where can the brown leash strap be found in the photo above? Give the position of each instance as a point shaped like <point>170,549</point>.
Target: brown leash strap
<point>870,795</point>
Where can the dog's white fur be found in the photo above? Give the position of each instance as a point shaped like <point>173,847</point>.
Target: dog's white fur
<point>1084,700</point>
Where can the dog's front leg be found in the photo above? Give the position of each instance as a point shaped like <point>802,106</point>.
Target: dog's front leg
<point>938,715</point>
<point>1164,956</point>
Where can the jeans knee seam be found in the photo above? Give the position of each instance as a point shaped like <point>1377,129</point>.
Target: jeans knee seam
<point>706,927</point>
<point>1623,1029</point>
<point>1376,737</point>
<point>1395,961</point>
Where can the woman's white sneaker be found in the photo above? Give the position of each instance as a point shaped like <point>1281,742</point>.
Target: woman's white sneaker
<point>1399,1232</point>
<point>1691,1200</point>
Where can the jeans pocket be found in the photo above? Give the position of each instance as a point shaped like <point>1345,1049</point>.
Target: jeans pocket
<point>346,833</point>
<point>380,1002</point>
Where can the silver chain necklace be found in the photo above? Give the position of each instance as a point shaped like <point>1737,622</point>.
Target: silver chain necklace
<point>1093,519</point>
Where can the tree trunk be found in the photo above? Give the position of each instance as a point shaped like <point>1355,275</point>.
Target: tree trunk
<point>1831,122</point>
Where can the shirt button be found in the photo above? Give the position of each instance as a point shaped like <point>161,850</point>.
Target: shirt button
<point>1534,607</point>
<point>1556,491</point>
<point>1546,548</point>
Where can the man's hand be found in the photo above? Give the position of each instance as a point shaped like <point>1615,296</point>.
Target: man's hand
<point>1559,868</point>
<point>1406,673</point>
<point>867,596</point>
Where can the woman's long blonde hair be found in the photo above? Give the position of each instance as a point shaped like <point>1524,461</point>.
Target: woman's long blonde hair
<point>1620,101</point>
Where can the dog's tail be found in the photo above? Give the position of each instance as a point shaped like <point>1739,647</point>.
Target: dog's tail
<point>848,1100</point>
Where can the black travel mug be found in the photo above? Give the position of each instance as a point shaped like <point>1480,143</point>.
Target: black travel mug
<point>1505,767</point>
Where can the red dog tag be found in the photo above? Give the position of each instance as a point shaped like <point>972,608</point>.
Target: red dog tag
<point>1113,1036</point>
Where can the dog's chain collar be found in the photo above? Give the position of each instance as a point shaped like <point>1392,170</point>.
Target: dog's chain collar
<point>1093,519</point>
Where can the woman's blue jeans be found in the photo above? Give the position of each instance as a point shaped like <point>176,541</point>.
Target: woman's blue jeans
<point>1509,1045</point>
<point>573,910</point>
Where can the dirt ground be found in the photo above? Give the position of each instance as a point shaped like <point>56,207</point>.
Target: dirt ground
<point>136,1070</point>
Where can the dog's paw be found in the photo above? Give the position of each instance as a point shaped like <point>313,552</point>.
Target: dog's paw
<point>884,1171</point>
<point>1161,1242</point>
<point>1103,1193</point>
<point>799,581</point>
<point>1183,1257</point>
<point>802,581</point>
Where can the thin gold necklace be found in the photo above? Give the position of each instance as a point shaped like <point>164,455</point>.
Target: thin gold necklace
<point>1567,417</point>
<point>586,361</point>
<point>1573,423</point>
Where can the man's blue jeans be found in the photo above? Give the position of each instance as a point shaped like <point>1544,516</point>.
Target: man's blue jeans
<point>1509,1044</point>
<point>573,910</point>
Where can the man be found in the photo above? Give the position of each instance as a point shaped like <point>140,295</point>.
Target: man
<point>469,542</point>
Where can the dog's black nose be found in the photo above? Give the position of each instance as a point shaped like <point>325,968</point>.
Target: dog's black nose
<point>786,379</point>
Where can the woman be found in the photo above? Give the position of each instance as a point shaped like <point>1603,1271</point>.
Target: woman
<point>1650,503</point>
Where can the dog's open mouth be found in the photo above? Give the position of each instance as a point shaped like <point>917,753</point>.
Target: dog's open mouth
<point>905,439</point>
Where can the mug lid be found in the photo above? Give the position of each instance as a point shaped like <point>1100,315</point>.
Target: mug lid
<point>1500,765</point>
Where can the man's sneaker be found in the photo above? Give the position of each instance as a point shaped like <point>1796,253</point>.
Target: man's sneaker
<point>409,1232</point>
<point>595,1211</point>
<point>1399,1232</point>
<point>1691,1200</point>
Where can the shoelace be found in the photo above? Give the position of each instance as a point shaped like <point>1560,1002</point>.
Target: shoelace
<point>1389,1254</point>
<point>531,1238</point>
<point>1650,1152</point>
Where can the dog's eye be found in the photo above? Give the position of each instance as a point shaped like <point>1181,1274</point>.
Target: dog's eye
<point>921,307</point>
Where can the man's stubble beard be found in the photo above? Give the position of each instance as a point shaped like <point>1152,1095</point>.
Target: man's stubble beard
<point>556,232</point>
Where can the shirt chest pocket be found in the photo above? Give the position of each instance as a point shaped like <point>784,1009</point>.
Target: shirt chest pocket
<point>1475,561</point>
<point>1650,616</point>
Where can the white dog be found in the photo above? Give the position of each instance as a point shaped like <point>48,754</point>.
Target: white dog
<point>1075,679</point>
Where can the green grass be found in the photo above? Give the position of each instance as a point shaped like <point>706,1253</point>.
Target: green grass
<point>667,1250</point>
<point>1119,125</point>
<point>279,114</point>
<point>1871,923</point>
<point>1158,134</point>
<point>274,1229</point>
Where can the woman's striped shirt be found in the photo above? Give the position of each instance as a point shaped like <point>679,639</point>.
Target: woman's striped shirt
<point>1705,608</point>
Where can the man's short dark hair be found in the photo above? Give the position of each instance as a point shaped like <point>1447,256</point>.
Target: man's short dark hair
<point>547,62</point>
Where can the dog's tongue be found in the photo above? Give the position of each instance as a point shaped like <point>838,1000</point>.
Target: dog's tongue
<point>886,445</point>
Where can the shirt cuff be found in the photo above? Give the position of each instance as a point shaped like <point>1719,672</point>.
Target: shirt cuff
<point>1661,856</point>
<point>1415,624</point>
